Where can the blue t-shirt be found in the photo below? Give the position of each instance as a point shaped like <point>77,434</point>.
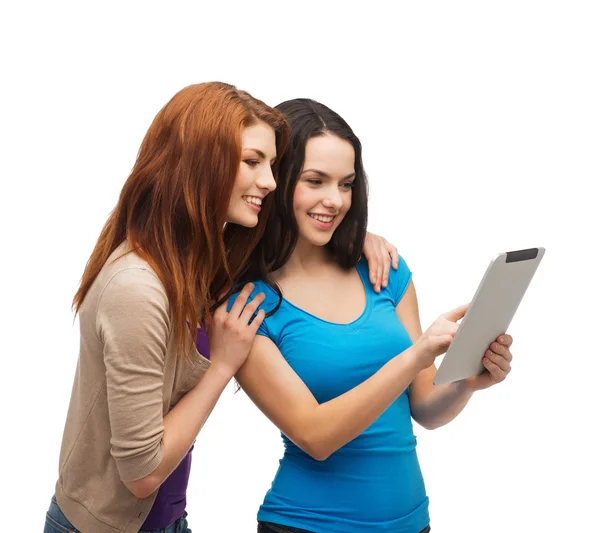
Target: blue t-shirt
<point>373,483</point>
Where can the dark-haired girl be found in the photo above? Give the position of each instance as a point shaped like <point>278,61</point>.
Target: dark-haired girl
<point>341,369</point>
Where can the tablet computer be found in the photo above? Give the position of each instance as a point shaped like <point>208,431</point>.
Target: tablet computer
<point>490,313</point>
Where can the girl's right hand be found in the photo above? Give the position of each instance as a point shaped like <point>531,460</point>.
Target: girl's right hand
<point>436,340</point>
<point>232,334</point>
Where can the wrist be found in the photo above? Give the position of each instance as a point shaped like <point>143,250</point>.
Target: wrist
<point>414,360</point>
<point>466,386</point>
<point>221,371</point>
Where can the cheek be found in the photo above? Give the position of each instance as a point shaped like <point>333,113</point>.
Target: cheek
<point>300,200</point>
<point>347,201</point>
<point>243,179</point>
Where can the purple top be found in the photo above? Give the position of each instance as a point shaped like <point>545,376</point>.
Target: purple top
<point>170,500</point>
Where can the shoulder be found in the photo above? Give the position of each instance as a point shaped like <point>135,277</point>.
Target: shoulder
<point>400,272</point>
<point>128,282</point>
<point>272,324</point>
<point>271,297</point>
<point>398,281</point>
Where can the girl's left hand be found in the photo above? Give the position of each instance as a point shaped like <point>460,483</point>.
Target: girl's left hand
<point>378,253</point>
<point>496,362</point>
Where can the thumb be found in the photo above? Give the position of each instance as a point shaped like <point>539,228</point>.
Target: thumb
<point>222,308</point>
<point>456,314</point>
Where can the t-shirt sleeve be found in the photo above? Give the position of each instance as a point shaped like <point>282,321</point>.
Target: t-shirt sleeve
<point>269,303</point>
<point>399,280</point>
<point>133,324</point>
<point>263,329</point>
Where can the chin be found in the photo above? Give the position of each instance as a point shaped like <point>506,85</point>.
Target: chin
<point>319,240</point>
<point>248,223</point>
<point>245,221</point>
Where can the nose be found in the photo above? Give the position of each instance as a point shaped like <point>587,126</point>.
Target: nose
<point>266,180</point>
<point>333,198</point>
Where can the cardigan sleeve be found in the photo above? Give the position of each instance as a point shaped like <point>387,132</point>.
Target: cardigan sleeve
<point>133,323</point>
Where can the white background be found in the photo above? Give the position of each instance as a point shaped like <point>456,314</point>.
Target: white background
<point>481,130</point>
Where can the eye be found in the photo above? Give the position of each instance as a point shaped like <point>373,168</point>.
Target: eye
<point>314,181</point>
<point>348,185</point>
<point>252,162</point>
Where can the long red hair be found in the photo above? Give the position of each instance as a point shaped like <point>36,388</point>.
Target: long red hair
<point>172,208</point>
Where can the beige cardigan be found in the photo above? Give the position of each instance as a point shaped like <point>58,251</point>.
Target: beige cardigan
<point>127,379</point>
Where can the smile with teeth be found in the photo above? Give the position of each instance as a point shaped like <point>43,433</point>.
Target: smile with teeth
<point>253,200</point>
<point>322,218</point>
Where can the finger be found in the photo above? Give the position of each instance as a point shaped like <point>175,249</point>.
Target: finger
<point>384,263</point>
<point>437,342</point>
<point>251,308</point>
<point>368,253</point>
<point>379,269</point>
<point>393,251</point>
<point>505,339</point>
<point>501,350</point>
<point>444,341</point>
<point>373,276</point>
<point>258,320</point>
<point>222,309</point>
<point>447,339</point>
<point>374,269</point>
<point>498,360</point>
<point>451,327</point>
<point>240,301</point>
<point>495,371</point>
<point>456,314</point>
<point>386,266</point>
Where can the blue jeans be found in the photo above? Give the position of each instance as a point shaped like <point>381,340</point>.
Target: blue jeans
<point>56,522</point>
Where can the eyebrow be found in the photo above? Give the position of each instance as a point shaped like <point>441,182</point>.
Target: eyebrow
<point>325,175</point>
<point>259,153</point>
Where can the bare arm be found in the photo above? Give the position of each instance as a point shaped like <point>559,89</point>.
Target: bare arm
<point>320,429</point>
<point>181,427</point>
<point>431,406</point>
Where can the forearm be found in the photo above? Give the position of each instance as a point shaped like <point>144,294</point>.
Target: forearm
<point>333,424</point>
<point>181,427</point>
<point>186,419</point>
<point>440,404</point>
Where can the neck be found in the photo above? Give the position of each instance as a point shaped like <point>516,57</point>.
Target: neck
<point>306,259</point>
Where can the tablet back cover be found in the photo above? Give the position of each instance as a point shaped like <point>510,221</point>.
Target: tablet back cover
<point>491,311</point>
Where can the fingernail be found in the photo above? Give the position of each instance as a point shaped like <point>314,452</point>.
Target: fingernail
<point>502,339</point>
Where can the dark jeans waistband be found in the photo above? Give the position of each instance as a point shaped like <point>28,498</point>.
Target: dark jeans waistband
<point>269,527</point>
<point>57,522</point>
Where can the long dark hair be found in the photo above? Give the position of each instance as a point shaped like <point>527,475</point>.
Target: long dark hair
<point>309,119</point>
